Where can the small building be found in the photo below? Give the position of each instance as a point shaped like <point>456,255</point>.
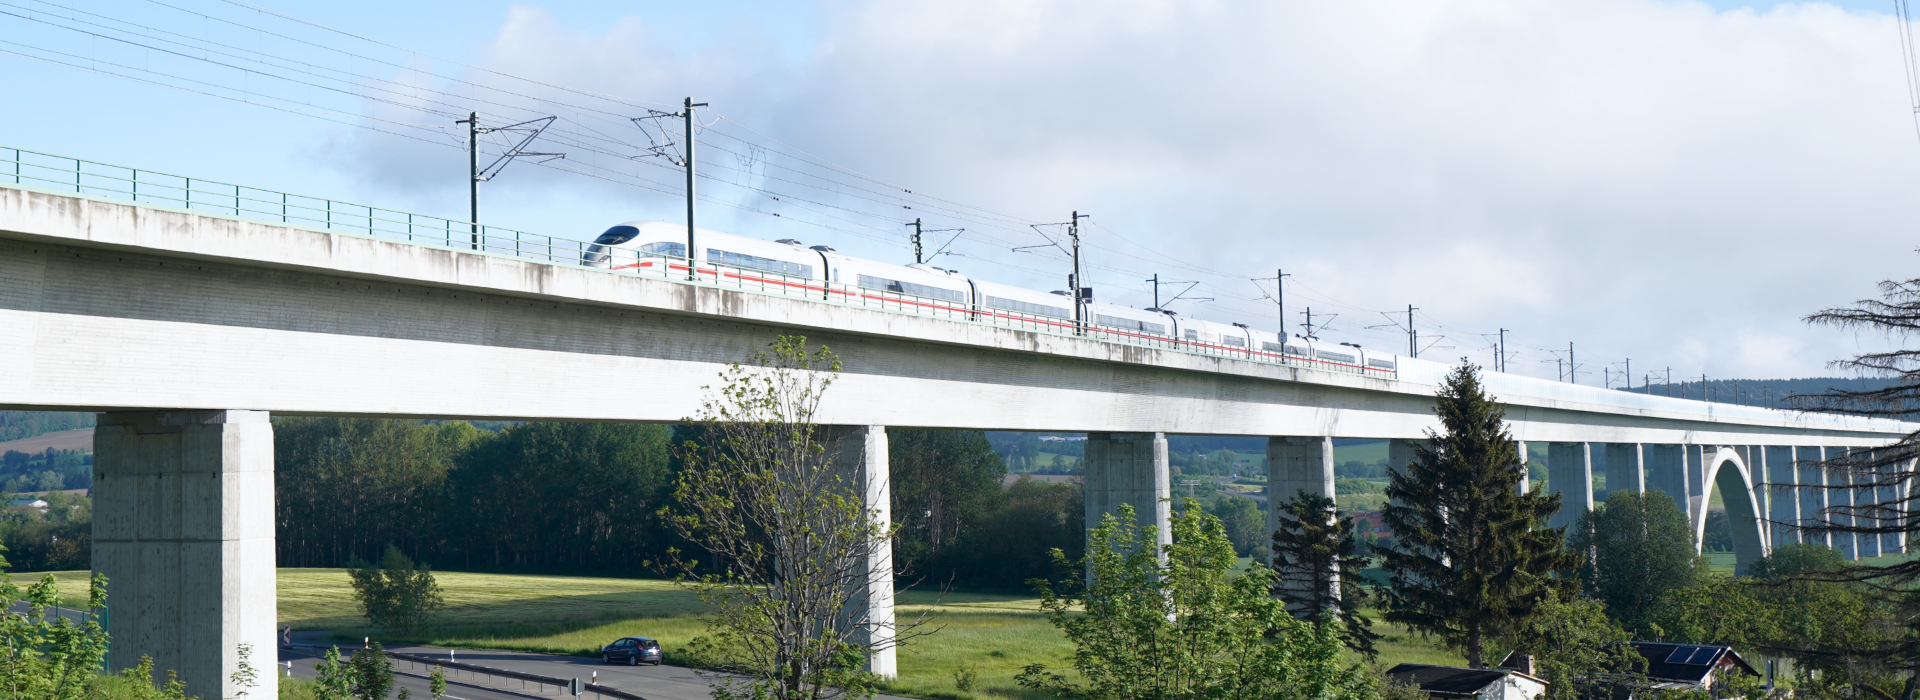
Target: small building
<point>32,503</point>
<point>1668,667</point>
<point>1477,683</point>
<point>1690,666</point>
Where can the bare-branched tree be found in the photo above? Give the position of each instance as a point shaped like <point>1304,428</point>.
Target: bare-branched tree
<point>1871,494</point>
<point>780,504</point>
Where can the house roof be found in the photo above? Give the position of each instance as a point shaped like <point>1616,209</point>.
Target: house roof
<point>1688,663</point>
<point>1451,681</point>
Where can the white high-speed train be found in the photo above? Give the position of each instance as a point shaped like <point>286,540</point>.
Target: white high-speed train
<point>660,247</point>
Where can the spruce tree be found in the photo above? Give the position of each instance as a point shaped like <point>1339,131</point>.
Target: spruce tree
<point>1471,557</point>
<point>1315,552</point>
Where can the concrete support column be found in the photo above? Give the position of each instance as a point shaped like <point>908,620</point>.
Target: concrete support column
<point>1783,497</point>
<point>1840,495</point>
<point>1896,543</point>
<point>1296,464</point>
<point>862,453</point>
<point>1813,494</point>
<point>1697,462</point>
<point>1867,495</point>
<point>1526,474</point>
<point>1666,472</point>
<point>183,530</point>
<point>1570,474</point>
<point>1756,458</point>
<point>1625,469</point>
<point>1132,469</point>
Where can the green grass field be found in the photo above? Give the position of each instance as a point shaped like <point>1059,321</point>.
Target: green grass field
<point>994,634</point>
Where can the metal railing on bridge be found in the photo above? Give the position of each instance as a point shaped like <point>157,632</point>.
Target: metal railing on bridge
<point>44,171</point>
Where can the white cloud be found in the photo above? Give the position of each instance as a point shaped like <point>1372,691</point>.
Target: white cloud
<point>1648,179</point>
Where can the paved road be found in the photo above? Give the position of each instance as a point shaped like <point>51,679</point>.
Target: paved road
<point>653,682</point>
<point>415,681</point>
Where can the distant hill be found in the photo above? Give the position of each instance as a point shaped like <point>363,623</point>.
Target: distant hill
<point>1758,392</point>
<point>19,425</point>
<point>80,440</point>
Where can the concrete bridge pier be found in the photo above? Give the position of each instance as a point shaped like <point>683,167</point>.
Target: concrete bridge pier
<point>1131,469</point>
<point>183,530</point>
<point>861,451</point>
<point>1813,493</point>
<point>1666,472</point>
<point>1295,465</point>
<point>1783,493</point>
<point>1626,468</point>
<point>1570,474</point>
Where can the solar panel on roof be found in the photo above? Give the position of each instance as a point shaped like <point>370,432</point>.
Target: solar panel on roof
<point>1692,655</point>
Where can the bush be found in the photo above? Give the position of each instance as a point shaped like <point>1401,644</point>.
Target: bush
<point>397,595</point>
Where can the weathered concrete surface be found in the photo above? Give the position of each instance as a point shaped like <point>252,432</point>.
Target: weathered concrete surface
<point>183,530</point>
<point>862,452</point>
<point>112,306</point>
<point>1570,474</point>
<point>1129,469</point>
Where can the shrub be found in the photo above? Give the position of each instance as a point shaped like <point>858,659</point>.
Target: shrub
<point>397,595</point>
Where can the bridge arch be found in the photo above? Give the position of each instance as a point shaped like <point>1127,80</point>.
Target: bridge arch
<point>1727,473</point>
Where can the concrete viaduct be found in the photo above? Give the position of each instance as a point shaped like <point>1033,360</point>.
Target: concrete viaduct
<point>186,330</point>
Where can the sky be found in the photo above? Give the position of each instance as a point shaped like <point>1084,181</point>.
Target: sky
<point>1670,184</point>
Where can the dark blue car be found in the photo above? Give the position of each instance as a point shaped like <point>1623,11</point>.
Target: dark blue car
<point>631,651</point>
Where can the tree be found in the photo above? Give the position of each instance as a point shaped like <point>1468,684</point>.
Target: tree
<point>336,680</point>
<point>1574,645</point>
<point>1805,605</point>
<point>43,658</point>
<point>944,482</point>
<point>767,492</point>
<point>1318,562</point>
<point>560,497</point>
<point>1012,544</point>
<point>1470,559</point>
<point>397,595</point>
<point>372,673</point>
<point>1641,547</point>
<point>384,476</point>
<point>1186,627</point>
<point>1245,524</point>
<point>1885,471</point>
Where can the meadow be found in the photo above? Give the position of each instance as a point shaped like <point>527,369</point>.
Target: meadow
<point>993,634</point>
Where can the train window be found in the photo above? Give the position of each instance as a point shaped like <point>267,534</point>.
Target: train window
<point>1334,356</point>
<point>1026,307</point>
<point>919,290</point>
<point>1231,340</point>
<point>1271,347</point>
<point>755,262</point>
<point>1380,364</point>
<point>1297,350</point>
<point>617,235</point>
<point>667,248</point>
<point>1193,334</point>
<point>1129,324</point>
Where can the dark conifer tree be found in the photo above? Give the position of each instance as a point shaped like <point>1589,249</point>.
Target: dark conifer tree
<point>1471,558</point>
<point>1314,547</point>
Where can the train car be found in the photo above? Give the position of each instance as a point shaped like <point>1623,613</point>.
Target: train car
<point>917,288</point>
<point>1266,346</point>
<point>790,267</point>
<point>658,246</point>
<point>1214,338</point>
<point>1141,326</point>
<point>1007,305</point>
